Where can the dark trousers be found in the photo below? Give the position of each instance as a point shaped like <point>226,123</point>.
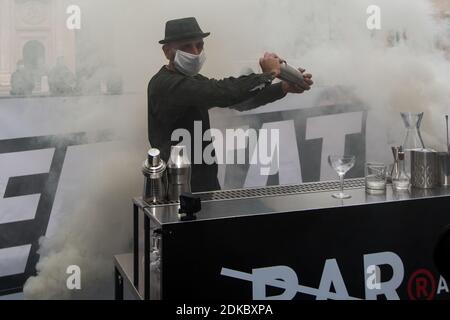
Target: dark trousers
<point>204,178</point>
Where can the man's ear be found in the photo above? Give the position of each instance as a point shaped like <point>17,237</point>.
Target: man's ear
<point>169,52</point>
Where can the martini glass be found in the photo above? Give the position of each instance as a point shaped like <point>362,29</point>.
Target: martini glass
<point>341,164</point>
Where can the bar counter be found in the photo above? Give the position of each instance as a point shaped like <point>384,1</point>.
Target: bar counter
<point>294,242</point>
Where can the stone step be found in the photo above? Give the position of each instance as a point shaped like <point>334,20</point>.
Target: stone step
<point>5,91</point>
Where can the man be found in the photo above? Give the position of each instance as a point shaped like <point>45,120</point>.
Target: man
<point>178,95</point>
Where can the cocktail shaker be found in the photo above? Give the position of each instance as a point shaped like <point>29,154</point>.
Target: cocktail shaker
<point>155,183</point>
<point>178,173</point>
<point>291,74</point>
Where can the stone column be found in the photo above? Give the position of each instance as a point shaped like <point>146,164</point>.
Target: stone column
<point>64,38</point>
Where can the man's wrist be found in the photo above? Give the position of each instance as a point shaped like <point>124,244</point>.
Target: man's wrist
<point>285,87</point>
<point>270,75</point>
<point>279,89</point>
<point>275,73</point>
<point>267,78</point>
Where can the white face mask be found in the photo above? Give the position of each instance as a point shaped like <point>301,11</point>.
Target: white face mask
<point>189,64</point>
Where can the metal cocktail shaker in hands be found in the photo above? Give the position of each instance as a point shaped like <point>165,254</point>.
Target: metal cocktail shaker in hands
<point>291,74</point>
<point>155,184</point>
<point>179,173</point>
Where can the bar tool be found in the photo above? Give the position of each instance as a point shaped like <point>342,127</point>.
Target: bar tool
<point>395,167</point>
<point>446,124</point>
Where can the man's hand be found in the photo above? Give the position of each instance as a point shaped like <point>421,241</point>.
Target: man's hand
<point>289,87</point>
<point>271,63</point>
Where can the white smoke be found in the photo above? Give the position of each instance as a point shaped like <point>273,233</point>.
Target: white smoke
<point>327,37</point>
<point>89,236</point>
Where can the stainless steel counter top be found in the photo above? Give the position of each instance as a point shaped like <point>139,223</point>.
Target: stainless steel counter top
<point>306,197</point>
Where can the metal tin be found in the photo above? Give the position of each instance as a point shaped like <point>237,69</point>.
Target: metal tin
<point>155,183</point>
<point>178,173</point>
<point>424,169</point>
<point>291,74</point>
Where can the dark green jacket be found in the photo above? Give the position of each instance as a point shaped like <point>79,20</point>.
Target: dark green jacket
<point>176,101</point>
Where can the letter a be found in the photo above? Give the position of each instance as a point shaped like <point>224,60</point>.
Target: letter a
<point>374,20</point>
<point>74,280</point>
<point>74,20</point>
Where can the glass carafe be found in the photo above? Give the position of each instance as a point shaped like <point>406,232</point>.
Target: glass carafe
<point>413,139</point>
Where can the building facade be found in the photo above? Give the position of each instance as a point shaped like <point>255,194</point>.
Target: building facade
<point>33,31</point>
<point>443,6</point>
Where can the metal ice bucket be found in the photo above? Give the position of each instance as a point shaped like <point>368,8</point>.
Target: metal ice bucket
<point>424,169</point>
